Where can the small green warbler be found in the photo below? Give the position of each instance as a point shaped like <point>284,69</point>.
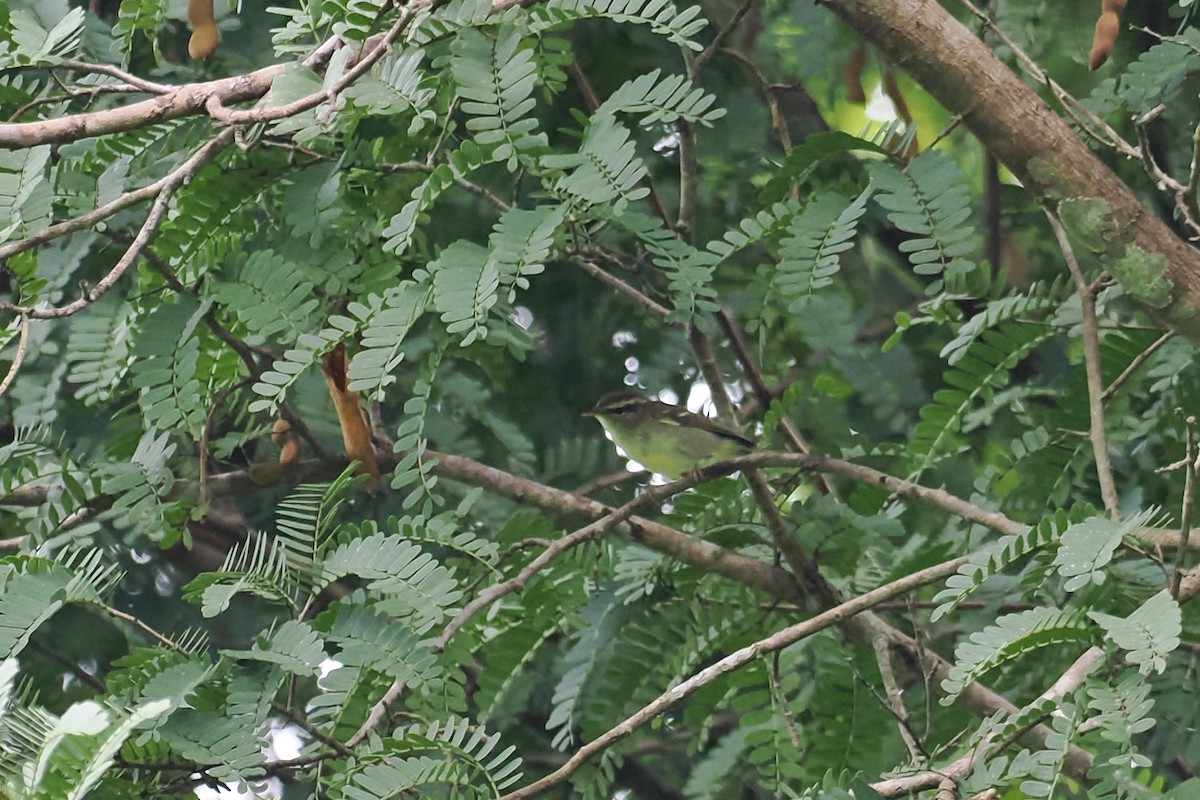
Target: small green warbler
<point>665,438</point>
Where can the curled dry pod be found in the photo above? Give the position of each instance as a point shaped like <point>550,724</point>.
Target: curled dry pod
<point>289,443</point>
<point>204,29</point>
<point>356,434</point>
<point>1107,27</point>
<point>853,75</point>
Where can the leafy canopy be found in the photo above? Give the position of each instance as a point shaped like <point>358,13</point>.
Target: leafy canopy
<point>503,212</point>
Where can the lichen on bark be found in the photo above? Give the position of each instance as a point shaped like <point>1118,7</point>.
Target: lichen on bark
<point>1144,275</point>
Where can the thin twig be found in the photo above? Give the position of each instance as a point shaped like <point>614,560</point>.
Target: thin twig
<point>789,720</point>
<point>993,209</point>
<point>165,641</point>
<point>900,487</point>
<point>120,74</point>
<point>70,664</point>
<point>689,164</point>
<point>604,482</point>
<point>1185,516</point>
<point>1091,363</point>
<point>1165,182</point>
<point>591,101</point>
<point>621,286</point>
<point>762,392</point>
<point>72,93</point>
<point>1145,152</point>
<point>587,532</point>
<point>719,40</point>
<point>689,179</point>
<point>298,426</point>
<point>1136,364</point>
<point>312,730</point>
<point>18,357</point>
<point>210,319</point>
<point>474,188</point>
<point>710,370</point>
<point>895,702</point>
<point>1192,190</point>
<point>814,585</point>
<point>1082,116</point>
<point>950,128</point>
<point>765,91</point>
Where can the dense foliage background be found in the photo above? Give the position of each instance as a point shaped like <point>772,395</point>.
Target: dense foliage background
<point>952,571</point>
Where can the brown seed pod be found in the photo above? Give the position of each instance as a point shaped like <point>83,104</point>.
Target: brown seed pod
<point>1107,27</point>
<point>853,75</point>
<point>204,29</point>
<point>289,443</point>
<point>356,433</point>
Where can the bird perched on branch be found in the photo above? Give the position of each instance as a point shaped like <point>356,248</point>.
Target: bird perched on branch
<point>665,438</point>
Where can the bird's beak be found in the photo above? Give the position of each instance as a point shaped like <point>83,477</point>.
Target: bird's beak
<point>588,414</point>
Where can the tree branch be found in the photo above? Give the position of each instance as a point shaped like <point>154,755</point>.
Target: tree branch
<point>1153,264</point>
<point>18,357</point>
<point>186,100</point>
<point>215,103</point>
<point>1091,365</point>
